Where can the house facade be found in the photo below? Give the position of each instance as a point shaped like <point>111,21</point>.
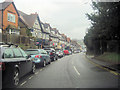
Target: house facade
<point>46,35</point>
<point>9,18</point>
<point>54,38</point>
<point>24,30</point>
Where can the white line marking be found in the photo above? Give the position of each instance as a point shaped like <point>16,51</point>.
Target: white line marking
<point>31,77</point>
<point>23,83</point>
<point>36,72</point>
<point>40,69</point>
<point>76,70</point>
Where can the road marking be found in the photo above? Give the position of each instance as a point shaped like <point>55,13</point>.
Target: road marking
<point>115,73</point>
<point>40,69</point>
<point>76,70</point>
<point>31,77</point>
<point>23,83</point>
<point>36,72</point>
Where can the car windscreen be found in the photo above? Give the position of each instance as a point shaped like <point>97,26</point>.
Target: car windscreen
<point>46,48</point>
<point>32,52</point>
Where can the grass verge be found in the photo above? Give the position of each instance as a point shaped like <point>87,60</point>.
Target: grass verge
<point>109,57</point>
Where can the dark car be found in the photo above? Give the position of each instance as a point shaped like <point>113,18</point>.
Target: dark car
<point>59,52</point>
<point>52,53</point>
<point>39,56</point>
<point>14,63</point>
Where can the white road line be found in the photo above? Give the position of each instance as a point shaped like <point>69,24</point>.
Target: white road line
<point>23,83</point>
<point>40,69</point>
<point>36,72</point>
<point>31,77</point>
<point>76,70</point>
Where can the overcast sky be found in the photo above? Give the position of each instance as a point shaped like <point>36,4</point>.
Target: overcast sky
<point>68,16</point>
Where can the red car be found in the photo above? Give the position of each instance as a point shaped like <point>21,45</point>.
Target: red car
<point>66,52</point>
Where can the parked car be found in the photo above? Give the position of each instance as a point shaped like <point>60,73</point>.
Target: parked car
<point>52,53</point>
<point>66,52</point>
<point>39,56</point>
<point>59,53</point>
<point>76,51</point>
<point>70,52</point>
<point>14,63</point>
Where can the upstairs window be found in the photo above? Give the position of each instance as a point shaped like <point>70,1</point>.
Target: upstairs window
<point>11,17</point>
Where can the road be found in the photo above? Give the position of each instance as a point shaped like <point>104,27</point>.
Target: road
<point>74,71</point>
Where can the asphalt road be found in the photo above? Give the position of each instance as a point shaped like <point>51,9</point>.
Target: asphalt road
<point>74,71</point>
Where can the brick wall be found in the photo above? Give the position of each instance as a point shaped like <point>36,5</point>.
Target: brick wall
<point>11,10</point>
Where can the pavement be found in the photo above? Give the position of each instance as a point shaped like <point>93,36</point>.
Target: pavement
<point>108,65</point>
<point>73,71</point>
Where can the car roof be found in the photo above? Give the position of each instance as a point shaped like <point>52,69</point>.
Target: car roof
<point>33,49</point>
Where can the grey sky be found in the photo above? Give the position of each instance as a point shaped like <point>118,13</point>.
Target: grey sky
<point>68,16</point>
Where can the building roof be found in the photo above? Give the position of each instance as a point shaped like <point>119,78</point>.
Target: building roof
<point>30,19</point>
<point>22,13</point>
<point>21,17</point>
<point>4,5</point>
<point>46,25</point>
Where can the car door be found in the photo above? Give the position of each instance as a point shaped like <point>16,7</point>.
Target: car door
<point>22,61</point>
<point>46,56</point>
<point>28,61</point>
<point>10,63</point>
<point>43,54</point>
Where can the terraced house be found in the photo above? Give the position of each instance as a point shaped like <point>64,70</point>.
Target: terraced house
<point>54,38</point>
<point>33,22</point>
<point>46,34</point>
<point>23,25</point>
<point>9,18</point>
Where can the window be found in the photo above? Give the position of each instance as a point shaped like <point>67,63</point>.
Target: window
<point>32,52</point>
<point>23,53</point>
<point>43,51</point>
<point>11,17</point>
<point>8,53</point>
<point>17,53</point>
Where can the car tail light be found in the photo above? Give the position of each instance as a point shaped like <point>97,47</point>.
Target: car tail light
<point>51,53</point>
<point>2,66</point>
<point>38,56</point>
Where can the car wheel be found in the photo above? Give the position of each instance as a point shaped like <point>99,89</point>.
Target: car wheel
<point>33,68</point>
<point>15,78</point>
<point>44,63</point>
<point>49,62</point>
<point>56,58</point>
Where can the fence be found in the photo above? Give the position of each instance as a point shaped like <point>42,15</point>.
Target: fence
<point>21,40</point>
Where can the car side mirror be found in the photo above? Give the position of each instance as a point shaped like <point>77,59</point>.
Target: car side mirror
<point>28,56</point>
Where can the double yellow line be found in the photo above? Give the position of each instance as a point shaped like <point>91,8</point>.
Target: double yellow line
<point>113,72</point>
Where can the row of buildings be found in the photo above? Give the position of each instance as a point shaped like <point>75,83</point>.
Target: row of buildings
<point>13,21</point>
